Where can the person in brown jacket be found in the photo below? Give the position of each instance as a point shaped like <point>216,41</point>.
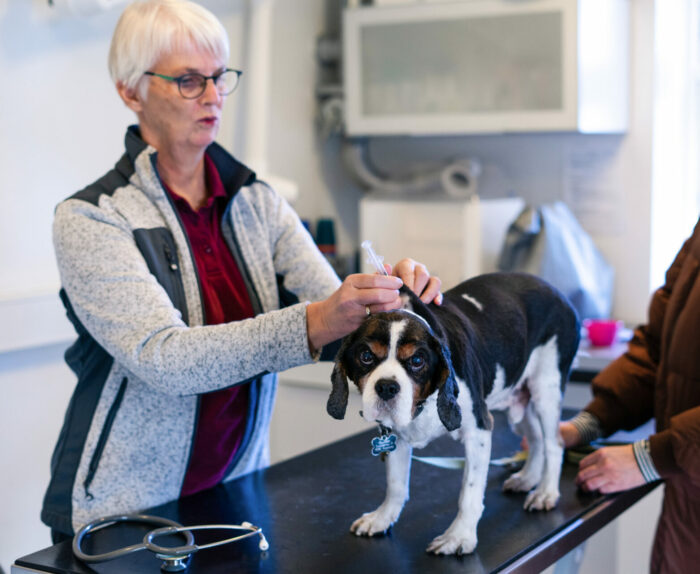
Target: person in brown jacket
<point>658,376</point>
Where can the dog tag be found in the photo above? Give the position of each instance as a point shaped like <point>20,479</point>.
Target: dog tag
<point>383,444</point>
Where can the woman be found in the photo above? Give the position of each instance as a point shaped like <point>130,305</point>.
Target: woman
<point>658,376</point>
<point>188,283</point>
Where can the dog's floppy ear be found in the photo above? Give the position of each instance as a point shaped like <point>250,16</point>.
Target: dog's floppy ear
<point>446,383</point>
<point>338,399</point>
<point>448,409</point>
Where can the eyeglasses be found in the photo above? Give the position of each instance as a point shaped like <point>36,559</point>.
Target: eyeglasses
<point>193,85</point>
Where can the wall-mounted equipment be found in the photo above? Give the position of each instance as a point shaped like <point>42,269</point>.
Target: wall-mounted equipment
<point>456,238</point>
<point>456,178</point>
<point>486,66</point>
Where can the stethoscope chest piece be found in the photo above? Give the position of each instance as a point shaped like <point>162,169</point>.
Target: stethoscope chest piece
<point>175,558</point>
<point>173,563</point>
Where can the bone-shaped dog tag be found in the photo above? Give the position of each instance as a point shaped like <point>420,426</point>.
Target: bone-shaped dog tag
<point>381,445</point>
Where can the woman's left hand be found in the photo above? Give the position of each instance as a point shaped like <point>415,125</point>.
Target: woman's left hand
<point>416,277</point>
<point>610,469</point>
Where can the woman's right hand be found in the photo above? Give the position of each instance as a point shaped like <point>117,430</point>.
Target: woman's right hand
<point>346,308</point>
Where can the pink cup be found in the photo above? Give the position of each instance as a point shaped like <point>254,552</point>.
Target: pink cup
<point>602,332</point>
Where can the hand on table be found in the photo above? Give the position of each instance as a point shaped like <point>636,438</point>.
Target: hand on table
<point>610,469</point>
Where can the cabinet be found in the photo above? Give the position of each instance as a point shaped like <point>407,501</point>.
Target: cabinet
<point>486,66</point>
<point>456,238</point>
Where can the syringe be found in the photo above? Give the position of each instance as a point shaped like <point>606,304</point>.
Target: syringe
<point>373,258</point>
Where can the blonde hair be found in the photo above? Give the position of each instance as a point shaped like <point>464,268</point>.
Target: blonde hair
<point>148,29</point>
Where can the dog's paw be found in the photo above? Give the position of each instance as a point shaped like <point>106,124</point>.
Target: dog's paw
<point>520,482</point>
<point>454,540</point>
<point>541,500</point>
<point>372,523</point>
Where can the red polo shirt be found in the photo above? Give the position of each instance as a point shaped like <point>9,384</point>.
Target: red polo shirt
<point>222,414</point>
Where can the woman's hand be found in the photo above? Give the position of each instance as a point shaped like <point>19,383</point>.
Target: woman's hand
<point>610,469</point>
<point>344,310</point>
<point>361,294</point>
<point>416,277</point>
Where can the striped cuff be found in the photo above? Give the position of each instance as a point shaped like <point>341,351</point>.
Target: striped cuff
<point>643,458</point>
<point>588,427</point>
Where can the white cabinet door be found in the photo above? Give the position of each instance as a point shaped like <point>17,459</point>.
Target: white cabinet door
<point>485,66</point>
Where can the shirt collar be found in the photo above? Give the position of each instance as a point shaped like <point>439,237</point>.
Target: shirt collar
<point>215,187</point>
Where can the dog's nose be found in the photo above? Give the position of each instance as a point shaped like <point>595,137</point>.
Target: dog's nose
<point>386,388</point>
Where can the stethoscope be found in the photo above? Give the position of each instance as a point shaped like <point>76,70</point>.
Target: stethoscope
<point>174,557</point>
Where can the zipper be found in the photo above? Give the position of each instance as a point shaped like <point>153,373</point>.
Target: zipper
<point>176,286</point>
<point>235,251</point>
<point>168,255</point>
<point>172,261</point>
<point>232,241</point>
<point>102,441</point>
<point>184,233</point>
<point>254,392</point>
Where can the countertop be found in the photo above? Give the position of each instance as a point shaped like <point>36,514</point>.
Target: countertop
<point>305,506</point>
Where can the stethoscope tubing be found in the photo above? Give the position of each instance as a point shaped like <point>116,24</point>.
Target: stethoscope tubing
<point>171,553</point>
<point>106,521</point>
<point>189,549</point>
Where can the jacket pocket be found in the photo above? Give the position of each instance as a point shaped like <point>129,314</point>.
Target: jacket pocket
<point>104,435</point>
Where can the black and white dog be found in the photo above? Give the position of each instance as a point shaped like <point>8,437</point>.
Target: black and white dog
<point>503,341</point>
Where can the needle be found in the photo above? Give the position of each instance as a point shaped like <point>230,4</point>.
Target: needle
<point>373,258</point>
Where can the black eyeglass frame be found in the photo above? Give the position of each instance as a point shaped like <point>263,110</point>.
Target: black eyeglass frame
<point>214,78</point>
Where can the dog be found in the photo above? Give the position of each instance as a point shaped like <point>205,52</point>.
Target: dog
<point>499,341</point>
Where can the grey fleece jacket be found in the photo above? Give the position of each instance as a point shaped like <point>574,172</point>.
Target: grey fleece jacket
<point>143,356</point>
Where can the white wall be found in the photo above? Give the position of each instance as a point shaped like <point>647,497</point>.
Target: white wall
<point>295,149</point>
<point>36,387</point>
<point>47,118</point>
<point>61,126</point>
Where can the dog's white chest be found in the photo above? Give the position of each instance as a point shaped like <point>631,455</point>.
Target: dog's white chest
<point>425,428</point>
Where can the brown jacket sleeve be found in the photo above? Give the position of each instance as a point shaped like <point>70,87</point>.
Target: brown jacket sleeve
<point>677,449</point>
<point>624,391</point>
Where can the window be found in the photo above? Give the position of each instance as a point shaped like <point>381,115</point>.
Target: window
<point>676,131</point>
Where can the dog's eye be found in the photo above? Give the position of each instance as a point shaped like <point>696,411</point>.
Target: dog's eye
<point>417,361</point>
<point>366,357</point>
